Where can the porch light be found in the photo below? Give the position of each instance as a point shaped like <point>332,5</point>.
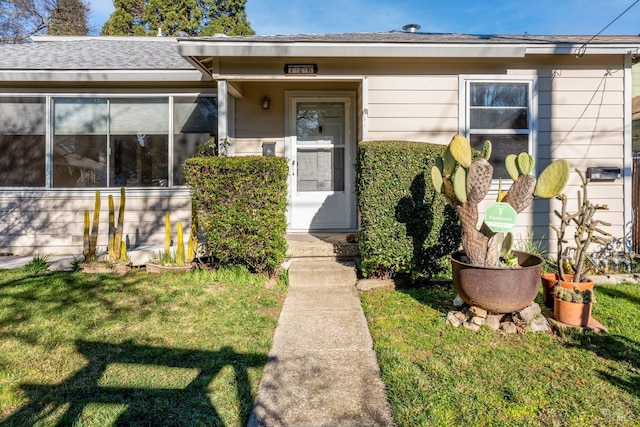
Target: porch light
<point>265,102</point>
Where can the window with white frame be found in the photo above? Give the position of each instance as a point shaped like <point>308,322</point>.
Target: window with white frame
<point>501,111</point>
<point>23,149</point>
<point>126,141</point>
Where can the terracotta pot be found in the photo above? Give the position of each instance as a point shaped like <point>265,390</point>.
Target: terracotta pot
<point>569,284</point>
<point>549,282</point>
<point>571,313</point>
<point>97,268</point>
<point>499,290</point>
<point>121,269</point>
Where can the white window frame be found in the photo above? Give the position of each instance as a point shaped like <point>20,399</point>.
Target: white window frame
<point>464,84</point>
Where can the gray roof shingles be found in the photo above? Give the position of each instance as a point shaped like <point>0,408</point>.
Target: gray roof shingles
<point>109,53</point>
<point>93,54</point>
<point>418,37</point>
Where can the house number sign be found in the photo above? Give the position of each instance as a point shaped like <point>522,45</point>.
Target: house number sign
<point>300,69</point>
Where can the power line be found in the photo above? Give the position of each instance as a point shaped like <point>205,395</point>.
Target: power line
<point>582,49</point>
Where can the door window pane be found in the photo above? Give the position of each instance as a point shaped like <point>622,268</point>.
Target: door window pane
<point>80,142</point>
<point>195,121</point>
<point>320,123</point>
<point>22,142</point>
<point>321,169</point>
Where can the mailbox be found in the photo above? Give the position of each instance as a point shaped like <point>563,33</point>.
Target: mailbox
<point>603,174</point>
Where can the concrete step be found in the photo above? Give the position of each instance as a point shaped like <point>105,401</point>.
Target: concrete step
<point>321,272</point>
<point>330,245</point>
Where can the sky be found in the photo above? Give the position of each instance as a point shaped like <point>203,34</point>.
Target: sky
<point>541,17</point>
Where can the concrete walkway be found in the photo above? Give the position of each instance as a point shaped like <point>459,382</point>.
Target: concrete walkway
<point>322,370</point>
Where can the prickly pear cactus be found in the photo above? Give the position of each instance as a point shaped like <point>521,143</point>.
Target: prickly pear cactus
<point>465,182</point>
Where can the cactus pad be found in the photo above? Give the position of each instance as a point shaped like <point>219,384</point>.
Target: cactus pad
<point>510,163</point>
<point>525,165</point>
<point>447,190</point>
<point>478,181</point>
<point>436,179</point>
<point>440,164</point>
<point>460,149</point>
<point>507,244</point>
<point>460,185</point>
<point>486,150</point>
<point>552,179</point>
<point>520,194</point>
<point>448,164</point>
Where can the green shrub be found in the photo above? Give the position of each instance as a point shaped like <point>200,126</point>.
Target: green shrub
<point>241,207</point>
<point>405,226</point>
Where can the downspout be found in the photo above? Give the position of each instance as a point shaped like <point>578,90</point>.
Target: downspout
<point>627,157</point>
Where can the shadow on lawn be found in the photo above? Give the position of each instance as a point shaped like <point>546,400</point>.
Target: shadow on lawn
<point>438,295</point>
<point>617,293</point>
<point>54,293</point>
<point>144,406</point>
<point>617,348</point>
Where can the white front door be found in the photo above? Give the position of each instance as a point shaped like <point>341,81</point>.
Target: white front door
<point>320,148</point>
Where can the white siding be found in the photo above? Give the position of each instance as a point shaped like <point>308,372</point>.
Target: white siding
<point>53,222</point>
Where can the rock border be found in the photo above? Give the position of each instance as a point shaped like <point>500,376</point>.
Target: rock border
<point>529,319</point>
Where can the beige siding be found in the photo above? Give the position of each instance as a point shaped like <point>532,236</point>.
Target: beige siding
<point>417,108</point>
<point>50,223</point>
<point>255,126</point>
<point>581,119</point>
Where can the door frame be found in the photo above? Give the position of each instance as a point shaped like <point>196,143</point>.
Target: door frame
<point>349,98</point>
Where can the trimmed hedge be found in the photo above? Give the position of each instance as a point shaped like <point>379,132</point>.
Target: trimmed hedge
<point>241,205</point>
<point>405,226</point>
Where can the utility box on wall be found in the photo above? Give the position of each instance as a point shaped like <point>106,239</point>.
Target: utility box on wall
<point>603,174</point>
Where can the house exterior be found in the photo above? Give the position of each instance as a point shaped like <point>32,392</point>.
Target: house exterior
<point>81,114</point>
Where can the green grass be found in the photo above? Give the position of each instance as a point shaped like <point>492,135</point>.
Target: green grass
<point>438,375</point>
<point>169,349</point>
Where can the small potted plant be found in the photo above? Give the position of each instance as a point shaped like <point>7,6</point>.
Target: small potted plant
<point>573,306</point>
<point>587,231</point>
<point>464,178</point>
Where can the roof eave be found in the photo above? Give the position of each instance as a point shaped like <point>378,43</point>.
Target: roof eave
<point>394,50</point>
<point>102,76</point>
<point>349,50</point>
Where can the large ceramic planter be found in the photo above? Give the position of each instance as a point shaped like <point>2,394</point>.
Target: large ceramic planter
<point>571,313</point>
<point>499,290</point>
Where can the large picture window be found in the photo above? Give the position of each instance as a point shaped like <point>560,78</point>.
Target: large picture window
<point>23,142</point>
<point>101,141</point>
<point>500,111</point>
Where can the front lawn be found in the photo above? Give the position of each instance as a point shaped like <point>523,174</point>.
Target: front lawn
<point>95,350</point>
<point>437,375</point>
